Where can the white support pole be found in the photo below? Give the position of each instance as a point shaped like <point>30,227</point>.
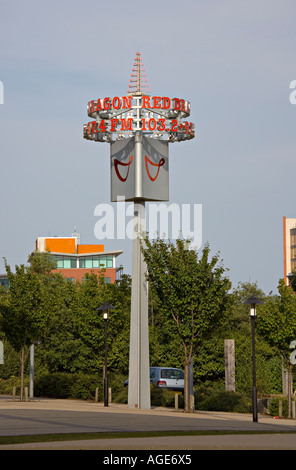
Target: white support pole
<point>31,384</point>
<point>139,376</point>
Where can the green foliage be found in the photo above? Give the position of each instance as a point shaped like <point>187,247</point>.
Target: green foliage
<point>274,406</point>
<point>224,401</point>
<point>11,366</point>
<point>42,263</point>
<point>277,321</point>
<point>166,398</point>
<point>6,385</point>
<point>121,396</point>
<point>22,317</point>
<point>190,293</point>
<point>191,312</point>
<point>64,318</point>
<point>63,385</point>
<point>292,280</point>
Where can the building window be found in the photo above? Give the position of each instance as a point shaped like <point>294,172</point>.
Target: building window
<point>109,261</point>
<point>4,282</point>
<point>293,240</point>
<point>96,262</point>
<point>88,263</point>
<point>66,262</point>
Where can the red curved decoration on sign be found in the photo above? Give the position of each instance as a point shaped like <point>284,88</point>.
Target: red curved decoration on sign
<point>161,162</point>
<point>117,162</point>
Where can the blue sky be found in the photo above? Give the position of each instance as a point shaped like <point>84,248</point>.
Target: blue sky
<point>233,60</point>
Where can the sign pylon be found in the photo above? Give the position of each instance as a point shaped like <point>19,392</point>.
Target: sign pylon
<point>139,128</point>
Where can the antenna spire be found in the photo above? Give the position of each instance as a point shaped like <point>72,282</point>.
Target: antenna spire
<point>138,82</point>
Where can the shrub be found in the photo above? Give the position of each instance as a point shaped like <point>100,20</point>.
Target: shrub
<point>164,397</point>
<point>120,396</point>
<point>84,387</point>
<point>226,401</point>
<point>63,385</point>
<point>6,385</point>
<point>273,406</point>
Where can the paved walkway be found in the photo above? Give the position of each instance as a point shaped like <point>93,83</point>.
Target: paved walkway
<point>73,416</point>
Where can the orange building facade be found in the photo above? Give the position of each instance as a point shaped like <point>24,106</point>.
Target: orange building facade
<point>74,260</point>
<point>289,247</point>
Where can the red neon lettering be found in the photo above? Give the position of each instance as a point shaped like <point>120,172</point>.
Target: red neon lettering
<point>126,124</point>
<point>116,102</point>
<point>146,102</point>
<point>183,105</point>
<point>99,106</point>
<point>174,125</point>
<point>91,106</point>
<point>102,126</point>
<point>161,126</point>
<point>156,102</point>
<point>166,102</point>
<point>90,128</point>
<point>177,104</point>
<point>126,102</point>
<point>106,103</point>
<point>152,124</point>
<point>114,123</point>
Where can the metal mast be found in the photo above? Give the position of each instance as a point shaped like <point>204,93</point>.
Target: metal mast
<point>138,82</point>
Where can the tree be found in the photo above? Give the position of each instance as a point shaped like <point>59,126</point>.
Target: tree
<point>21,317</point>
<point>276,322</point>
<point>268,363</point>
<point>90,295</point>
<point>60,348</point>
<point>292,280</point>
<point>42,263</point>
<point>191,293</point>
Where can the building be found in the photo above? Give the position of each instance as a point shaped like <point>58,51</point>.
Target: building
<point>289,245</point>
<point>74,260</point>
<point>4,280</point>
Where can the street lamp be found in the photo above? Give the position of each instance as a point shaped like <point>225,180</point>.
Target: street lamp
<point>253,301</point>
<point>105,307</point>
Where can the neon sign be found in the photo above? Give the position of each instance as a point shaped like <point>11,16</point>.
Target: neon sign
<point>139,128</point>
<point>118,117</point>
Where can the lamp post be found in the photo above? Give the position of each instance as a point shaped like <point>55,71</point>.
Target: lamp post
<point>105,307</point>
<point>253,301</point>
